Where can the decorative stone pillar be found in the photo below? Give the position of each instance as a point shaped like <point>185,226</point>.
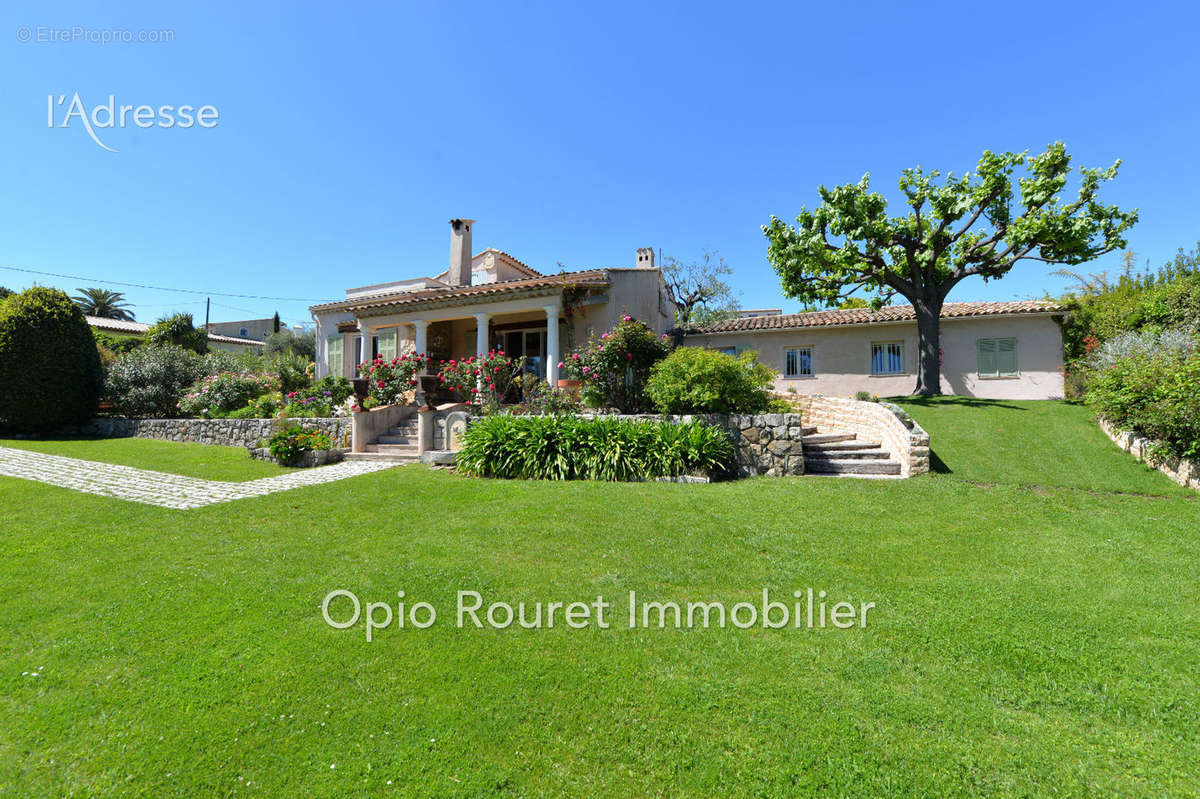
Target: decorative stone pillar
<point>552,354</point>
<point>481,333</point>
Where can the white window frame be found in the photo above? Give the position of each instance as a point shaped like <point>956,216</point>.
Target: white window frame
<point>798,375</point>
<point>995,342</point>
<point>886,346</point>
<point>335,343</point>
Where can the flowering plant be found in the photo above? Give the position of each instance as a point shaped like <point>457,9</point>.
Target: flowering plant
<point>288,445</point>
<point>484,381</point>
<point>393,382</point>
<point>219,394</point>
<point>616,365</point>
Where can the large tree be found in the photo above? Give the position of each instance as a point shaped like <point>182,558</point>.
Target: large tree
<point>103,303</point>
<point>700,294</point>
<point>977,224</point>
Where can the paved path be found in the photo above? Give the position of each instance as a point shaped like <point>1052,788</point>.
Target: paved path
<point>160,488</point>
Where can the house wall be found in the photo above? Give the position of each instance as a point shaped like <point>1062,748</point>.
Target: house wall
<point>842,357</point>
<point>257,329</point>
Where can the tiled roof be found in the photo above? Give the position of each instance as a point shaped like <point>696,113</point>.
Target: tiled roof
<point>865,316</point>
<point>122,326</point>
<point>513,260</point>
<point>484,291</point>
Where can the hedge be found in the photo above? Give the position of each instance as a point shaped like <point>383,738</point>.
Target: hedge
<point>49,366</point>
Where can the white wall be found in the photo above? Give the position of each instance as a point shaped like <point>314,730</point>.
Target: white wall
<point>842,357</point>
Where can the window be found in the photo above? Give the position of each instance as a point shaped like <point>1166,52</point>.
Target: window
<point>243,332</point>
<point>887,358</point>
<point>335,355</point>
<point>797,362</point>
<point>997,357</point>
<point>385,344</point>
<point>728,351</point>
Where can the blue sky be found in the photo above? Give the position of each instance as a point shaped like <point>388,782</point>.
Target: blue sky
<point>350,133</point>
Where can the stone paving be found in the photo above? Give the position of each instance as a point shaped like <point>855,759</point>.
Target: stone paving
<point>160,488</point>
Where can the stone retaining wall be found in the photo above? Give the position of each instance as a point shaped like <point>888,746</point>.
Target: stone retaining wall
<point>888,424</point>
<point>222,432</point>
<point>1185,473</point>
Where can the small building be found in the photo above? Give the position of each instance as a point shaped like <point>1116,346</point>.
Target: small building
<point>255,329</point>
<point>994,350</point>
<point>124,329</point>
<point>487,301</point>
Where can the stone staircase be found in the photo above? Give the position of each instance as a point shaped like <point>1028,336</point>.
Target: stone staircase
<point>836,453</point>
<point>397,445</point>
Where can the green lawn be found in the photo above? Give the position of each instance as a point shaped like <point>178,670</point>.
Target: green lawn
<point>1036,633</point>
<point>191,460</point>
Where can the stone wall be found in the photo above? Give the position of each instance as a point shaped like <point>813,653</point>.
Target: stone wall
<point>222,432</point>
<point>1185,473</point>
<point>888,424</point>
<point>765,443</point>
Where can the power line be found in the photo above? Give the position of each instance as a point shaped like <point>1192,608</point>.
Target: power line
<point>161,288</point>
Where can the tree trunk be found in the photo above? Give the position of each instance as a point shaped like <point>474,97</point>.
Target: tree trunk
<point>929,357</point>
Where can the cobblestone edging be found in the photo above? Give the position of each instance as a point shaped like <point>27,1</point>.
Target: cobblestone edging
<point>160,488</point>
<point>888,424</point>
<point>221,432</point>
<point>1184,473</point>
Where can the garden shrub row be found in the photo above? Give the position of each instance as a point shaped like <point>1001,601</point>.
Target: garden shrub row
<point>573,448</point>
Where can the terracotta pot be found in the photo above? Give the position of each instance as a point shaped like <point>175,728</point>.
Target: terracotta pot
<point>570,385</point>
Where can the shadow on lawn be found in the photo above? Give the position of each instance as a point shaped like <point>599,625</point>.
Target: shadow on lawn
<point>965,402</point>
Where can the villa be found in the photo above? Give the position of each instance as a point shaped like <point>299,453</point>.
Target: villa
<point>490,300</point>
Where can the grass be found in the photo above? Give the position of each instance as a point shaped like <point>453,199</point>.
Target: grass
<point>191,460</point>
<point>1026,642</point>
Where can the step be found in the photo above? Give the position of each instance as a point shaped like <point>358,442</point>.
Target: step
<point>396,438</point>
<point>838,446</point>
<point>403,429</point>
<point>877,453</point>
<point>826,438</point>
<point>850,466</point>
<point>392,449</point>
<point>808,431</point>
<point>381,456</point>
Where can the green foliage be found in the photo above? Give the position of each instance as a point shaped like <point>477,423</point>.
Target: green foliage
<point>117,344</point>
<point>150,380</point>
<point>696,380</point>
<point>289,444</point>
<point>293,371</point>
<point>699,291</point>
<point>957,228</point>
<point>103,303</point>
<point>616,365</point>
<point>1157,395</point>
<point>539,397</point>
<point>5,293</point>
<point>50,373</point>
<point>486,381</point>
<point>178,330</point>
<point>217,395</point>
<point>570,448</point>
<point>285,342</point>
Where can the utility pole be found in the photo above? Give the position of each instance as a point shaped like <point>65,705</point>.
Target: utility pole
<point>207,300</point>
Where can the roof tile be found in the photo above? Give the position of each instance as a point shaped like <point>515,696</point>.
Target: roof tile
<point>864,316</point>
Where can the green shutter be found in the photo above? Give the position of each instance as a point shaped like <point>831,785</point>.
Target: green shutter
<point>1006,356</point>
<point>387,344</point>
<point>335,352</point>
<point>987,357</point>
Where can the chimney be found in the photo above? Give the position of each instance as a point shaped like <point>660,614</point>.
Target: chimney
<point>460,252</point>
<point>645,258</point>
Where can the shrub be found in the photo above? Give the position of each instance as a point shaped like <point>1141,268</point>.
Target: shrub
<point>294,372</point>
<point>117,344</point>
<point>485,381</point>
<point>392,381</point>
<point>50,373</point>
<point>180,331</point>
<point>539,397</point>
<point>616,366</point>
<point>150,380</point>
<point>695,380</point>
<point>1157,395</point>
<point>217,395</point>
<point>570,448</point>
<point>779,405</point>
<point>1142,343</point>
<point>285,342</point>
<point>289,444</point>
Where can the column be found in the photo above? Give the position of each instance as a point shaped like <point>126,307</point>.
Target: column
<point>420,329</point>
<point>481,333</point>
<point>364,346</point>
<point>552,354</point>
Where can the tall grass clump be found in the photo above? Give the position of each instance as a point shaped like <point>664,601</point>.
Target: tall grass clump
<point>570,448</point>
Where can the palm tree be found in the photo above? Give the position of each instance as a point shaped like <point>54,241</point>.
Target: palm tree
<point>103,303</point>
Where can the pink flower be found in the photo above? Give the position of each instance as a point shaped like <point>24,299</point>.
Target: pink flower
<point>629,356</point>
<point>560,364</point>
<point>626,318</point>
